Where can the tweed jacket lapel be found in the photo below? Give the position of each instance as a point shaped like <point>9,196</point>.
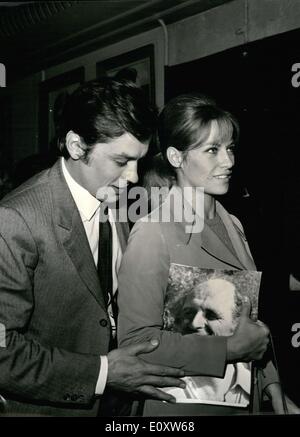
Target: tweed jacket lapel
<point>72,234</point>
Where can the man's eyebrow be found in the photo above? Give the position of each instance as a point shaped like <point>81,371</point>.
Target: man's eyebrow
<point>124,156</point>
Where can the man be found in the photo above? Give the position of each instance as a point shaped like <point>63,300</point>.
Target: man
<point>218,305</point>
<point>213,308</point>
<point>57,314</point>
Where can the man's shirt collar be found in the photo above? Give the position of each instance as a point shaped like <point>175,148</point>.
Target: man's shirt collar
<point>85,202</point>
<point>243,377</point>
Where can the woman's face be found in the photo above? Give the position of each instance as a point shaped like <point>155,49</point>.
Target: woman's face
<point>209,166</point>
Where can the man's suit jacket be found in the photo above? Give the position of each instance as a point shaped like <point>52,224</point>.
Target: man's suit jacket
<point>143,278</point>
<point>51,302</point>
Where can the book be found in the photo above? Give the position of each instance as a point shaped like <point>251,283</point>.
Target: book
<point>209,302</point>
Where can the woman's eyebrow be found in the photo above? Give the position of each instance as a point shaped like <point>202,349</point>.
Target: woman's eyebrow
<point>212,143</point>
<point>218,143</point>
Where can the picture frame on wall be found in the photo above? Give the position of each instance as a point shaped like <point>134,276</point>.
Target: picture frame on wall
<point>52,97</point>
<point>137,65</point>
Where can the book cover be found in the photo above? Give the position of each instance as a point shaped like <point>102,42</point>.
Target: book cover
<point>209,302</point>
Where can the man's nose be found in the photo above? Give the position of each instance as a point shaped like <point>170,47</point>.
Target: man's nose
<point>131,174</point>
<point>199,321</point>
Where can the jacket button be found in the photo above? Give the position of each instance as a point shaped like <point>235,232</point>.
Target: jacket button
<point>103,322</point>
<point>67,397</point>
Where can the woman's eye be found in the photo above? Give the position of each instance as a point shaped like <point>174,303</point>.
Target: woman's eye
<point>213,150</point>
<point>231,149</point>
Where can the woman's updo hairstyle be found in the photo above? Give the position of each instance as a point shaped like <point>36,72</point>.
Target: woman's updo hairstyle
<point>185,123</point>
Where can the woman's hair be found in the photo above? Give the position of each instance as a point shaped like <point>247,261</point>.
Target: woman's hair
<point>157,174</point>
<point>185,123</point>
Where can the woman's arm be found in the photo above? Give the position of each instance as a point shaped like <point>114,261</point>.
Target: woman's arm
<point>143,280</point>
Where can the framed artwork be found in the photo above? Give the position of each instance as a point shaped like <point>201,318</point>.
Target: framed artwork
<point>52,96</point>
<point>136,65</point>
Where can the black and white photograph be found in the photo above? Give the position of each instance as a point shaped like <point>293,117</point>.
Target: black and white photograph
<point>209,302</point>
<point>149,210</point>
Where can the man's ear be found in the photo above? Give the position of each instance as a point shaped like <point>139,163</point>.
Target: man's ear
<point>74,145</point>
<point>174,156</point>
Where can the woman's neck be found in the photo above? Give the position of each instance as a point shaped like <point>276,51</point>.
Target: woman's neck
<point>193,198</point>
<point>209,206</point>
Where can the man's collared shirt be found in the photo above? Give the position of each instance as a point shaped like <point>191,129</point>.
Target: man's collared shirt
<point>233,389</point>
<point>89,210</point>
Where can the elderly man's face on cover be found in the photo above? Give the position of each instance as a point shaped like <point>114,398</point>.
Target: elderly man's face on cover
<point>214,308</point>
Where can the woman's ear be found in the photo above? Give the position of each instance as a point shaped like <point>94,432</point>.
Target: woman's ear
<point>174,156</point>
<point>74,145</point>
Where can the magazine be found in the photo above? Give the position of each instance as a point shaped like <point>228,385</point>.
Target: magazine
<point>209,302</point>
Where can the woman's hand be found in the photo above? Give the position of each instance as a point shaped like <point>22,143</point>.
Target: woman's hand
<point>273,391</point>
<point>249,340</point>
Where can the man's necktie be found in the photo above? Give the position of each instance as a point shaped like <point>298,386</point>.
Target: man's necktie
<point>105,260</point>
<point>105,255</point>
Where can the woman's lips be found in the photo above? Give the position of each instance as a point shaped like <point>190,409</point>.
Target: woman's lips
<point>223,176</point>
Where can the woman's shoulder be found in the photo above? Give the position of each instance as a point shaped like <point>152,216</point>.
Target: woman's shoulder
<point>149,224</point>
<point>155,229</point>
<point>147,242</point>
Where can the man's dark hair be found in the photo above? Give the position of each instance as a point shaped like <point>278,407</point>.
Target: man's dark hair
<point>104,109</point>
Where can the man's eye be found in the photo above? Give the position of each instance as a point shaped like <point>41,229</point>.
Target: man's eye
<point>211,315</point>
<point>188,313</point>
<point>121,163</point>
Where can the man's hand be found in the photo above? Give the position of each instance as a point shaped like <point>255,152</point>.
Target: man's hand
<point>249,340</point>
<point>128,372</point>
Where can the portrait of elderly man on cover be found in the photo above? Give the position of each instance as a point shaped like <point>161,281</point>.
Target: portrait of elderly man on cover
<point>210,303</point>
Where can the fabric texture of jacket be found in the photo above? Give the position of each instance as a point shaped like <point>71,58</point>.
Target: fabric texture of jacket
<point>51,303</point>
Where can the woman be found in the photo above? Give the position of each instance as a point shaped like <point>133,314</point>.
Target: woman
<point>190,230</point>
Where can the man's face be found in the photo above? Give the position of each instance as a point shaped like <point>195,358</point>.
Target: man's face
<point>111,166</point>
<point>215,308</point>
